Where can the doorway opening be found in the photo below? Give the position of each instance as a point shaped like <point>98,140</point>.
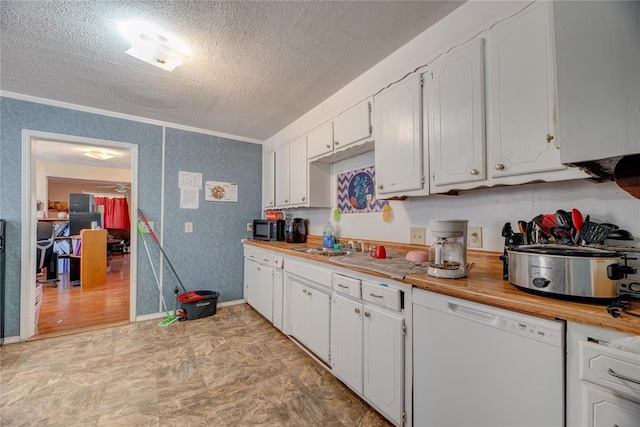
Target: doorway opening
<point>71,294</point>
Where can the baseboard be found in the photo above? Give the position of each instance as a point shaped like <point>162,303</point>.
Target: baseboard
<point>160,315</point>
<point>11,340</point>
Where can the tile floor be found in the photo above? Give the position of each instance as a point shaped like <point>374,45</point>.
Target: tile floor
<point>233,368</point>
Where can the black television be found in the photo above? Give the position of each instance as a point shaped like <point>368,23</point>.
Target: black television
<point>83,220</point>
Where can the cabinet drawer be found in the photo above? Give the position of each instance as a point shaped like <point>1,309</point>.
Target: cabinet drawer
<point>317,275</point>
<point>616,370</point>
<point>346,285</point>
<point>381,295</point>
<point>264,258</point>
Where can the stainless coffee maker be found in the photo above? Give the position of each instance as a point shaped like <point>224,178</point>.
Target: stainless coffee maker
<point>448,256</point>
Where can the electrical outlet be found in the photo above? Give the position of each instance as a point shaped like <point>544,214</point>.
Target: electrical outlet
<point>475,237</point>
<point>417,235</point>
<point>249,226</point>
<point>188,227</point>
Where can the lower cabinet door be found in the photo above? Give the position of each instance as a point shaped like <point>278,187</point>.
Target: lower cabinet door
<point>346,341</point>
<point>250,280</point>
<point>605,410</point>
<point>384,361</point>
<point>319,326</point>
<point>298,310</point>
<point>263,294</point>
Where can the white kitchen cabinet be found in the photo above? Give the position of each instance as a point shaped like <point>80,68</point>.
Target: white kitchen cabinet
<point>298,182</point>
<point>353,125</point>
<point>346,341</point>
<point>399,160</point>
<point>384,361</point>
<point>278,298</point>
<point>522,95</point>
<point>258,287</point>
<point>268,180</point>
<point>596,395</point>
<point>367,353</point>
<point>282,176</point>
<point>320,140</point>
<point>455,112</point>
<point>598,67</point>
<point>310,310</point>
<point>348,134</point>
<point>606,409</point>
<point>298,172</point>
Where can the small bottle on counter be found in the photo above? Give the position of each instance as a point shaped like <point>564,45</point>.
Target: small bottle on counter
<point>328,236</point>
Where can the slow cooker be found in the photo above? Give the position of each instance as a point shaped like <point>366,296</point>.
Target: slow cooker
<point>566,271</point>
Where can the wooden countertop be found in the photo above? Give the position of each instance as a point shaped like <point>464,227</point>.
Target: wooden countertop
<point>484,284</point>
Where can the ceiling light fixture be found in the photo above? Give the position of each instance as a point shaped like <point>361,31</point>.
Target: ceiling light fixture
<point>99,155</point>
<point>154,46</point>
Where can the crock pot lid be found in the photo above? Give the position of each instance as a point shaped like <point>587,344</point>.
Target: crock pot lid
<point>565,251</point>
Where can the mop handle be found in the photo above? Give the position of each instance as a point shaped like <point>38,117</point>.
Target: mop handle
<point>155,239</point>
<point>151,263</point>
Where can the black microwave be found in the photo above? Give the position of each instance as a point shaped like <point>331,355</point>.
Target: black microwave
<point>268,229</point>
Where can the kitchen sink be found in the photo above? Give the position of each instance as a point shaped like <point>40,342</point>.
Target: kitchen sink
<point>325,251</point>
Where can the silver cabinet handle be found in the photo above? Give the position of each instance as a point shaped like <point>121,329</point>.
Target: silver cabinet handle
<point>474,172</point>
<point>622,377</point>
<point>286,201</point>
<point>304,291</point>
<point>367,314</point>
<point>357,311</point>
<point>265,260</point>
<point>499,167</point>
<point>375,296</point>
<point>328,146</point>
<point>304,198</point>
<point>310,293</point>
<point>336,143</point>
<point>340,285</point>
<point>380,186</point>
<point>549,138</point>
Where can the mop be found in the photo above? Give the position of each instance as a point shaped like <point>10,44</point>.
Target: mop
<point>170,318</point>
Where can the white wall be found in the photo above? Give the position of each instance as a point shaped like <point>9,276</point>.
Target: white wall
<point>487,208</point>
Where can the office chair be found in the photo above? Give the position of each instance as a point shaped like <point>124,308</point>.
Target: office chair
<point>45,257</point>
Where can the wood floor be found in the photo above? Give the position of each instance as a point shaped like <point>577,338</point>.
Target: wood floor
<point>67,308</point>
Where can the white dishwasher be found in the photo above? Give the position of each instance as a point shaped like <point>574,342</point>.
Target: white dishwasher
<point>476,365</point>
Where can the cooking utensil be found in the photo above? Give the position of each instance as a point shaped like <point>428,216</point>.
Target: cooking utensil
<point>577,219</point>
<point>529,233</point>
<point>619,235</point>
<point>563,219</point>
<point>561,235</point>
<point>543,227</point>
<point>627,174</point>
<point>522,226</point>
<point>592,232</point>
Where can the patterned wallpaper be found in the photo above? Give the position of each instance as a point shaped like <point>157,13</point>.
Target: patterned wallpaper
<point>214,226</point>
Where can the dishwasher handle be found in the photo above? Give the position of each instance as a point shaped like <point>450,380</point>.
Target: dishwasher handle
<point>473,314</point>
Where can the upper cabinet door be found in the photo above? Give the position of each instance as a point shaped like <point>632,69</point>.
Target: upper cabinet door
<point>352,126</point>
<point>320,140</point>
<point>522,95</point>
<point>398,152</point>
<point>298,175</point>
<point>454,96</point>
<point>282,176</point>
<point>268,180</point>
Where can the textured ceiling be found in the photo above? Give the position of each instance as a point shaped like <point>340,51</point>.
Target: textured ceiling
<point>256,65</point>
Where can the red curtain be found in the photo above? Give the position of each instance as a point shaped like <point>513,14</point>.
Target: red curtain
<point>116,212</point>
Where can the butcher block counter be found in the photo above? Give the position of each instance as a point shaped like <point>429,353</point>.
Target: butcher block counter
<point>484,284</point>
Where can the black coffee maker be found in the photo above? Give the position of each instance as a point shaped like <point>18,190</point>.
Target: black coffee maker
<point>295,230</point>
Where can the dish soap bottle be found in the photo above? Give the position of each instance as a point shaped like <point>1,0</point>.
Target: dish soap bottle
<point>328,237</point>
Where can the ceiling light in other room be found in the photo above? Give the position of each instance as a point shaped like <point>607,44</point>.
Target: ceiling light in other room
<point>154,46</point>
<point>99,155</point>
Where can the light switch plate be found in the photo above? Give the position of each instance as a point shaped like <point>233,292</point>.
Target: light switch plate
<point>249,226</point>
<point>188,227</point>
<point>417,235</point>
<point>146,229</point>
